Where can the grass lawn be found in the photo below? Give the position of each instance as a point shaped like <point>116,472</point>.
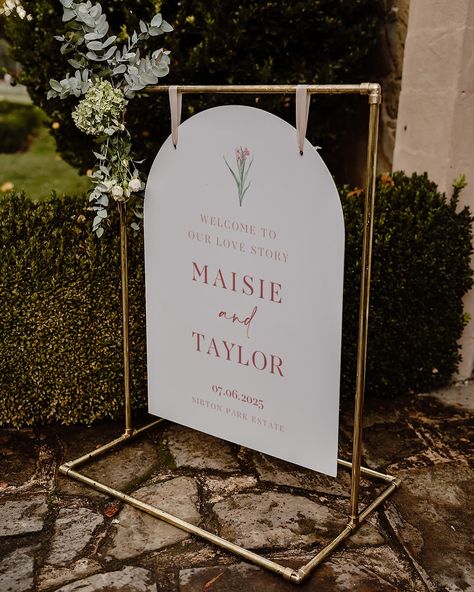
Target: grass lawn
<point>41,170</point>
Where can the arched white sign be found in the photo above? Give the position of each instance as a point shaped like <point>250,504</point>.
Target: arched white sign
<point>244,250</point>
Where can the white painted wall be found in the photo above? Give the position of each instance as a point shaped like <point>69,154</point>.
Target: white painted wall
<point>435,126</point>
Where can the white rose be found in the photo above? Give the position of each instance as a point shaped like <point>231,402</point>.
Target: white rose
<point>117,192</point>
<point>135,185</point>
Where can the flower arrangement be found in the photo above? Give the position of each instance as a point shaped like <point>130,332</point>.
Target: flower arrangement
<point>108,73</point>
<point>243,167</point>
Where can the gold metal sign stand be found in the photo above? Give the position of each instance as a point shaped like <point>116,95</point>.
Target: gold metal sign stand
<point>357,516</point>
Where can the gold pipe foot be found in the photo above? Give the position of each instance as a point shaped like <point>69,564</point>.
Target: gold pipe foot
<point>354,523</point>
<point>296,577</point>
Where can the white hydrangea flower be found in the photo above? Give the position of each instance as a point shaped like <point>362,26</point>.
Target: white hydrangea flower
<point>135,185</point>
<point>117,193</point>
<point>101,110</point>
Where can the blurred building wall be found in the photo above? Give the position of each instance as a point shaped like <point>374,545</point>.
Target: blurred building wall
<point>435,124</point>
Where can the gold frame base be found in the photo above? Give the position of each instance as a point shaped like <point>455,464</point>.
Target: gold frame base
<point>293,575</point>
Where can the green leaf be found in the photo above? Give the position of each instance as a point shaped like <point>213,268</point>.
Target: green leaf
<point>244,192</point>
<point>154,31</point>
<point>109,41</point>
<point>94,45</point>
<point>74,63</point>
<point>156,20</point>
<point>233,174</point>
<point>110,52</point>
<point>68,14</point>
<point>55,85</point>
<point>166,27</point>
<point>92,36</point>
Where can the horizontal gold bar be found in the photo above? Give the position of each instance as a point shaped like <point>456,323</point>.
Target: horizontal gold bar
<point>365,88</point>
<point>369,472</point>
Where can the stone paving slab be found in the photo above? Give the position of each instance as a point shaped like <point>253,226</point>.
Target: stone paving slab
<point>271,519</point>
<point>435,506</point>
<point>137,532</point>
<point>193,449</point>
<point>368,534</point>
<point>23,515</point>
<point>16,571</point>
<point>51,577</point>
<point>280,472</point>
<point>79,440</point>
<point>128,579</point>
<point>218,488</point>
<point>72,532</point>
<point>120,469</point>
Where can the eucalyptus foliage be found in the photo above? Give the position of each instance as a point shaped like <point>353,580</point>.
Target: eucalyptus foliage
<point>108,73</point>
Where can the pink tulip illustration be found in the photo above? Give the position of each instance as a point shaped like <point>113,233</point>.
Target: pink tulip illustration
<point>241,174</point>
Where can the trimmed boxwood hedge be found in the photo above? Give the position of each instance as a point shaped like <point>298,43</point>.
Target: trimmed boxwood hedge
<point>420,273</point>
<point>60,327</point>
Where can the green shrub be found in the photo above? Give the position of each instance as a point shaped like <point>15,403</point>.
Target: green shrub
<point>220,42</point>
<point>420,272</point>
<point>60,328</point>
<point>17,124</point>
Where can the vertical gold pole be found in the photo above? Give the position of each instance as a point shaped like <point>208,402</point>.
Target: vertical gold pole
<point>126,345</point>
<point>374,105</point>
